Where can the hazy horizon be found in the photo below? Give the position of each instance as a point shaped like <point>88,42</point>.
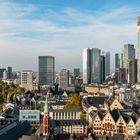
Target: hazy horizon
<point>29,29</point>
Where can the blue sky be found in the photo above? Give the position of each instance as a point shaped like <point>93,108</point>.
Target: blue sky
<point>62,28</point>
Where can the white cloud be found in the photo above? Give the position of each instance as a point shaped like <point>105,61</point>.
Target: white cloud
<point>24,35</point>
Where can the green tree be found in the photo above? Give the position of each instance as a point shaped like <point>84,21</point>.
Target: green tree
<point>74,103</point>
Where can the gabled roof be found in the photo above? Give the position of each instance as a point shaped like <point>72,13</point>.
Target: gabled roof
<point>126,117</point>
<point>65,94</point>
<point>115,114</point>
<point>110,101</point>
<point>135,117</point>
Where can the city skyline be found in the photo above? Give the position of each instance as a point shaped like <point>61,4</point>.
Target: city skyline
<point>63,29</point>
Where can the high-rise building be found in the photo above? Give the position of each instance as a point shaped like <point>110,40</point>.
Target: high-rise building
<point>128,53</point>
<point>1,72</point>
<point>107,63</point>
<point>27,79</point>
<point>64,78</point>
<point>9,72</point>
<point>86,66</point>
<point>5,75</point>
<point>46,70</point>
<point>76,72</point>
<point>121,75</point>
<point>132,71</point>
<point>91,65</point>
<point>138,62</point>
<point>117,61</point>
<point>121,60</point>
<point>102,67</point>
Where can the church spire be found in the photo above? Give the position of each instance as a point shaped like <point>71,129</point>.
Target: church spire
<point>46,119</point>
<point>46,106</point>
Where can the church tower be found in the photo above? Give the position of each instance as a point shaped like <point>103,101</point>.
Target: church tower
<point>46,119</point>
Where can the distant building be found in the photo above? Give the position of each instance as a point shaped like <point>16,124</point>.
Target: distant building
<point>27,79</point>
<point>117,61</point>
<point>46,70</point>
<point>76,72</point>
<point>64,78</point>
<point>121,60</point>
<point>5,75</point>
<point>121,75</point>
<point>128,53</point>
<point>91,65</point>
<point>1,72</point>
<point>9,72</point>
<point>132,71</point>
<point>107,63</point>
<point>102,68</point>
<point>138,33</point>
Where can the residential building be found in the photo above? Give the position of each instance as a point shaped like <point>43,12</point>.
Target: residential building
<point>46,70</point>
<point>64,78</point>
<point>111,123</point>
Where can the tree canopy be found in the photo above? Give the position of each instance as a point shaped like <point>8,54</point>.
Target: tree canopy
<point>74,103</point>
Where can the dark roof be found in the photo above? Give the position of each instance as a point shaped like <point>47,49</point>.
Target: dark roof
<point>96,101</point>
<point>58,103</point>
<point>65,110</point>
<point>135,117</point>
<point>93,114</point>
<point>70,122</point>
<point>14,130</point>
<point>110,101</point>
<point>126,117</point>
<point>101,114</point>
<point>116,114</point>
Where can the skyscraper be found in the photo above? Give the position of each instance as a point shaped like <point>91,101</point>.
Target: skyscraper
<point>132,71</point>
<point>76,72</point>
<point>117,61</point>
<point>91,65</point>
<point>64,78</point>
<point>128,53</point>
<point>138,62</point>
<point>102,67</point>
<point>86,66</point>
<point>107,63</point>
<point>46,70</point>
<point>9,72</point>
